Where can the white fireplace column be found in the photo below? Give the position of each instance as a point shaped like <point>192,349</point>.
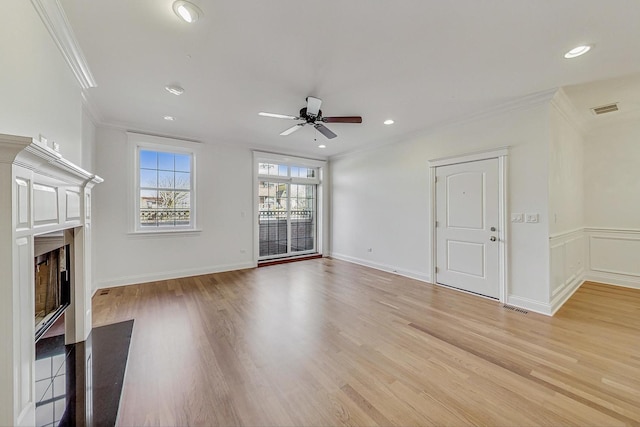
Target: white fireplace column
<point>40,192</point>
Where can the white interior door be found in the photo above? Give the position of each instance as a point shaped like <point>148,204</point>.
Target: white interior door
<point>467,217</point>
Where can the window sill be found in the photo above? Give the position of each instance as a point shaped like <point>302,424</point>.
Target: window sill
<point>165,233</point>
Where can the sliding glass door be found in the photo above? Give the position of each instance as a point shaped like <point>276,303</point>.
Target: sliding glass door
<point>287,211</point>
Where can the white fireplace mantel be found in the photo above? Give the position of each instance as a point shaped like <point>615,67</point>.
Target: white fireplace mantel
<point>40,192</point>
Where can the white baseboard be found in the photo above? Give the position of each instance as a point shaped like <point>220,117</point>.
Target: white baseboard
<point>566,293</point>
<point>613,279</point>
<point>530,304</point>
<point>383,267</point>
<point>144,278</point>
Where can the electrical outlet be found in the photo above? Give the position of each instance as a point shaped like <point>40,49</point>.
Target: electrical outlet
<point>369,249</point>
<point>517,217</point>
<point>531,218</point>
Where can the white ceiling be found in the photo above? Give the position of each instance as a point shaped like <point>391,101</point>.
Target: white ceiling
<point>419,62</point>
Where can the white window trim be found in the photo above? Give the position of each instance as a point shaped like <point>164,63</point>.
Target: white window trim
<point>321,180</point>
<point>138,141</point>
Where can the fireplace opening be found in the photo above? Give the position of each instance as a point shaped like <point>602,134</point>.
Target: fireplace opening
<point>52,265</point>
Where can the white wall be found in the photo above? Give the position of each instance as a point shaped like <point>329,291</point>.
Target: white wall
<point>566,201</point>
<point>566,163</point>
<point>88,147</point>
<point>380,199</point>
<point>612,203</point>
<point>612,176</point>
<point>40,95</point>
<point>224,191</point>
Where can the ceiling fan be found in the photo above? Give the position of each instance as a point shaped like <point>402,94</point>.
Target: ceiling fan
<point>312,115</point>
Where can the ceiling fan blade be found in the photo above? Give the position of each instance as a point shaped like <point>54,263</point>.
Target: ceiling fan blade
<point>313,105</point>
<point>325,131</point>
<point>345,119</point>
<point>278,116</point>
<point>292,129</point>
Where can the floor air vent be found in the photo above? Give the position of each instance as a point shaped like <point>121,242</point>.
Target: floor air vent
<point>516,309</point>
<point>609,108</point>
<point>104,292</point>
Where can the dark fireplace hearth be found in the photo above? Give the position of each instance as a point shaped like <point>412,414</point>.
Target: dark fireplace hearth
<point>80,384</point>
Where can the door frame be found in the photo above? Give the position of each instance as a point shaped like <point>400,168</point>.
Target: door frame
<point>502,154</point>
<point>322,197</point>
<point>289,182</point>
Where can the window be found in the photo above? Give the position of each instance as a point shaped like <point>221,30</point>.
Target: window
<point>165,190</point>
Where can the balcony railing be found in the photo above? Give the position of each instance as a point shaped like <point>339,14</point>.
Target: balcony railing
<point>295,214</point>
<point>273,231</point>
<point>152,217</point>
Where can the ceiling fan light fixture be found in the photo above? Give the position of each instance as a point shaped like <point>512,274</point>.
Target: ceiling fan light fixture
<point>388,122</point>
<point>578,51</point>
<point>188,11</point>
<point>169,118</point>
<point>322,146</point>
<point>174,90</point>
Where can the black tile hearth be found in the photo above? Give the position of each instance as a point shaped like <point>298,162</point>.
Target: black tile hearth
<point>80,384</point>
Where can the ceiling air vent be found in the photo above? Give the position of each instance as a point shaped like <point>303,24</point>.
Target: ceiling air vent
<point>609,108</point>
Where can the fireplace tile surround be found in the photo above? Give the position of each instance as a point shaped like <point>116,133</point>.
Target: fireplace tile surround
<point>40,192</point>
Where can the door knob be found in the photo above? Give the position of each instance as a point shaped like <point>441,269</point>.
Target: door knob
<point>493,238</point>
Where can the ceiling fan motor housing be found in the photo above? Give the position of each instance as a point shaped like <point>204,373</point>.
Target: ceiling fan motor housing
<point>308,117</point>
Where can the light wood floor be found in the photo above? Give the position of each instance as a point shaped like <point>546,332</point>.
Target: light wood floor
<point>324,342</point>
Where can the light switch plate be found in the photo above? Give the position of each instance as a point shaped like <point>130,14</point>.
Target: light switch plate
<point>517,217</point>
<point>532,218</point>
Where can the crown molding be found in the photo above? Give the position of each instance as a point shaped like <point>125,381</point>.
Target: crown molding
<point>56,22</point>
<point>519,104</point>
<point>568,110</point>
<point>585,123</point>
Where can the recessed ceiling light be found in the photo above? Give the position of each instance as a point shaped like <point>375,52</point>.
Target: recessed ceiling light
<point>169,118</point>
<point>577,51</point>
<point>322,146</point>
<point>389,122</point>
<point>175,90</point>
<point>188,11</point>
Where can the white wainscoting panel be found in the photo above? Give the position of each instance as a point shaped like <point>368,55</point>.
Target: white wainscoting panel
<point>73,205</point>
<point>614,256</point>
<point>567,266</point>
<point>23,205</point>
<point>45,204</point>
